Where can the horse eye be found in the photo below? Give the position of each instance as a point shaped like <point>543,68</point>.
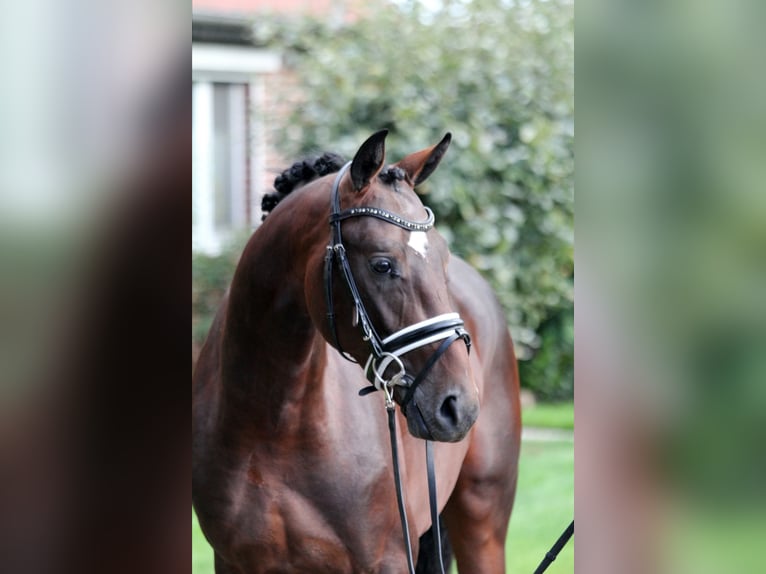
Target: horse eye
<point>381,266</point>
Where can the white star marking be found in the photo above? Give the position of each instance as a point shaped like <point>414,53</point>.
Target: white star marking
<point>419,242</point>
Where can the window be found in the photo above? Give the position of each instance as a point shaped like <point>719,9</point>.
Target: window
<point>227,146</point>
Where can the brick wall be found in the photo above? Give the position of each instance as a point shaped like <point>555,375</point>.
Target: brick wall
<point>277,99</point>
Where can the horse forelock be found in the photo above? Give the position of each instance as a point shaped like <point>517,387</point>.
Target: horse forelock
<point>392,174</point>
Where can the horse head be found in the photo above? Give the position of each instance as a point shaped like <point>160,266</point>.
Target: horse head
<point>386,301</point>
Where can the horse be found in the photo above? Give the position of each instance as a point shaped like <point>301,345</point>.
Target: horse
<point>292,470</point>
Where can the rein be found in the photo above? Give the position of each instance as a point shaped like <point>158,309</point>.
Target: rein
<point>551,555</point>
<point>384,353</point>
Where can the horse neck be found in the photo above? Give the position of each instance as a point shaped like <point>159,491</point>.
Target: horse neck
<point>273,356</point>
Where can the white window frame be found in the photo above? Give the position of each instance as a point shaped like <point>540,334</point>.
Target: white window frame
<point>213,63</point>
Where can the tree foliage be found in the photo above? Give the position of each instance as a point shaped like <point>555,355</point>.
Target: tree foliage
<point>498,75</point>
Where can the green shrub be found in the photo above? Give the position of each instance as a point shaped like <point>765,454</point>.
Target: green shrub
<point>550,373</point>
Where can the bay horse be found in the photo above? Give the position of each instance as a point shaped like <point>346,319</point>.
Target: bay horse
<point>292,470</point>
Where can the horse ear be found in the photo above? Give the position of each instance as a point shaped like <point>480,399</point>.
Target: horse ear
<point>419,165</point>
<point>368,160</point>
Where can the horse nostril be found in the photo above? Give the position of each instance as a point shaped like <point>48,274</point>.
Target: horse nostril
<point>449,410</point>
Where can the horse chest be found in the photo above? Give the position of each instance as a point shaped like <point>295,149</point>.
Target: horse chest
<point>287,534</point>
<point>311,517</point>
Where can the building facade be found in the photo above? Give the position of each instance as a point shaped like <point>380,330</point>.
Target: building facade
<point>228,141</point>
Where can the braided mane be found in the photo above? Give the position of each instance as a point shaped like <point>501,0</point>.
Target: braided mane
<point>300,173</point>
<point>304,171</point>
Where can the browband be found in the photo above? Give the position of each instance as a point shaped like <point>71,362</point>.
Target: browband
<point>386,216</point>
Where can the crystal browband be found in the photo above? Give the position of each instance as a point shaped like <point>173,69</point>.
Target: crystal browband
<point>386,216</point>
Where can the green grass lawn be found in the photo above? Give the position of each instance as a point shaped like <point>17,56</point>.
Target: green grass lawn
<point>544,507</point>
<point>544,500</point>
<point>202,554</point>
<point>549,415</point>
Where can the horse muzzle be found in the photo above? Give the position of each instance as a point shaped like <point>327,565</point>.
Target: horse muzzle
<point>446,417</point>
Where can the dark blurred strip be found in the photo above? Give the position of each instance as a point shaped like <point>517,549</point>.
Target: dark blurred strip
<point>95,200</point>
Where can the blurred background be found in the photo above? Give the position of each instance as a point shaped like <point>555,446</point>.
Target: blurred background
<point>276,81</point>
<point>95,134</point>
<point>671,316</point>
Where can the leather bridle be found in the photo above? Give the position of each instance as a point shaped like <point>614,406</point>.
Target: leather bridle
<point>385,353</point>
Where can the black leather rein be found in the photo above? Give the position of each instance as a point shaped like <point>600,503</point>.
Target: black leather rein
<point>444,329</point>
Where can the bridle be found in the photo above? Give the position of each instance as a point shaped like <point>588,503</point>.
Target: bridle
<point>384,353</point>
